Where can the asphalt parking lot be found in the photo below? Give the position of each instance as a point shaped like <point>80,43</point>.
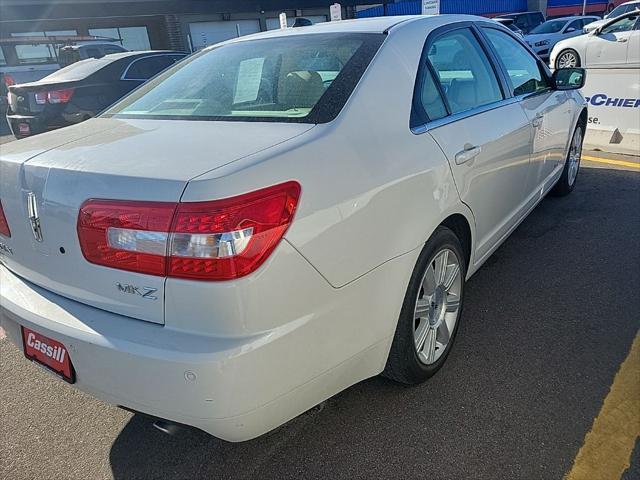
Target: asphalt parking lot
<point>547,323</point>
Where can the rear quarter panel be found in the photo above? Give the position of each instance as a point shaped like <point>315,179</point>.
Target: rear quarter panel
<point>371,189</point>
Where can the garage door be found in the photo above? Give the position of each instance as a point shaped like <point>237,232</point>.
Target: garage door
<point>273,23</point>
<point>208,33</point>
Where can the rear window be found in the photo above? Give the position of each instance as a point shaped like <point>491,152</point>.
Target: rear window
<point>79,70</point>
<point>302,78</point>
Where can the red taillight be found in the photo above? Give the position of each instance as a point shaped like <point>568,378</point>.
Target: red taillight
<point>8,80</point>
<point>60,96</point>
<point>216,240</point>
<point>4,225</point>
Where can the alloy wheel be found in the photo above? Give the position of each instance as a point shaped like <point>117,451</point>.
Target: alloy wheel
<point>567,60</point>
<point>437,306</point>
<point>575,153</point>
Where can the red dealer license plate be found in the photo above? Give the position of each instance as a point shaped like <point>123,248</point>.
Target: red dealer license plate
<point>49,353</point>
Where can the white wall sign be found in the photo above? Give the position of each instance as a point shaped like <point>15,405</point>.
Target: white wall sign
<point>336,12</point>
<point>283,20</point>
<point>430,7</point>
<point>613,97</point>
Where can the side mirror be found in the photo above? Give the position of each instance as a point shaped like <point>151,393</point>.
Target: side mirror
<point>570,30</point>
<point>569,78</point>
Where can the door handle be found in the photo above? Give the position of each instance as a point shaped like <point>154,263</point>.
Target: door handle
<point>537,120</point>
<point>622,40</point>
<point>469,153</point>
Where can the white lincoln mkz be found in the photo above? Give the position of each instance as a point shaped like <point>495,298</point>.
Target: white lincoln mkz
<point>281,216</point>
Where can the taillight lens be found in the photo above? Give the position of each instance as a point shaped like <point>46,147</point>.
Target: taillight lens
<point>216,240</point>
<point>60,96</point>
<point>4,225</point>
<point>8,80</point>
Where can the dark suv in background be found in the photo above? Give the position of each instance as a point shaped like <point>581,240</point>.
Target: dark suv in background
<point>525,21</point>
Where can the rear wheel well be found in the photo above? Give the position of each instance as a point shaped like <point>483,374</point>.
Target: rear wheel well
<point>459,225</point>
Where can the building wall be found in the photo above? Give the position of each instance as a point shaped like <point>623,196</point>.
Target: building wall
<point>167,21</point>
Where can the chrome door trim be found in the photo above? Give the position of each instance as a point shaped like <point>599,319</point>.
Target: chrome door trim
<point>420,129</point>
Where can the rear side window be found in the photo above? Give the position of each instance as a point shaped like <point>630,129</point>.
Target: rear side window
<point>464,71</point>
<point>145,68</point>
<point>305,78</point>
<point>429,99</point>
<point>523,70</point>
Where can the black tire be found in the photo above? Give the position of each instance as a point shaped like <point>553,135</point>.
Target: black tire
<point>403,364</point>
<point>568,51</point>
<point>565,185</point>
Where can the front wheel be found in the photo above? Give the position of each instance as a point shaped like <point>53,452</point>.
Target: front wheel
<point>568,59</point>
<point>429,317</point>
<point>567,180</point>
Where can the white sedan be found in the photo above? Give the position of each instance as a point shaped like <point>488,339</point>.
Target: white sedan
<point>280,216</point>
<point>614,44</point>
<point>621,9</point>
<point>543,38</point>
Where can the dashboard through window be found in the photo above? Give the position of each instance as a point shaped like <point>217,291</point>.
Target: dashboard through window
<point>523,70</point>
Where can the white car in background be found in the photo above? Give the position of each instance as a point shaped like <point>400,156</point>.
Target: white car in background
<point>267,222</point>
<point>615,13</point>
<point>543,38</point>
<point>614,44</point>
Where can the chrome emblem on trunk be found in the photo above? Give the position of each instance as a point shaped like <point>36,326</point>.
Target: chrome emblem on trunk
<point>34,219</point>
<point>144,292</point>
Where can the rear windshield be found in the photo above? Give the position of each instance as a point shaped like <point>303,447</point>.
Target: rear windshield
<point>301,78</point>
<point>79,70</point>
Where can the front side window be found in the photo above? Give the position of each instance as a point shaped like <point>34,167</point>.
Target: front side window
<point>576,25</point>
<point>464,71</point>
<point>622,25</point>
<point>523,70</point>
<point>305,78</point>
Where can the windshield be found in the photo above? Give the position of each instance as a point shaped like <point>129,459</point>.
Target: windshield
<point>616,12</point>
<point>303,78</point>
<point>552,26</point>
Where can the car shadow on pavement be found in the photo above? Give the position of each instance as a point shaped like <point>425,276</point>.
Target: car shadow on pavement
<point>546,323</point>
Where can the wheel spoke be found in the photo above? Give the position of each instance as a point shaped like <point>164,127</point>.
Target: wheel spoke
<point>441,266</point>
<point>429,349</point>
<point>453,302</point>
<point>451,276</point>
<point>422,307</point>
<point>429,283</point>
<point>420,334</point>
<point>443,334</point>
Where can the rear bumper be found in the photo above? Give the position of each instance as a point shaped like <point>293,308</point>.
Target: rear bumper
<point>26,125</point>
<point>235,388</point>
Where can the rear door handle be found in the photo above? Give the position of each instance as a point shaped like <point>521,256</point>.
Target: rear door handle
<point>469,153</point>
<point>623,40</point>
<point>537,121</point>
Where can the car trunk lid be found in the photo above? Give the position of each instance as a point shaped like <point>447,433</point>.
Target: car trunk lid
<point>143,160</point>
